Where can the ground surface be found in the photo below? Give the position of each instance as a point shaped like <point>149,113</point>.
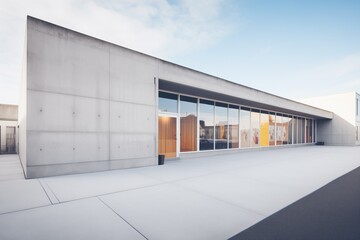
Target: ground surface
<point>330,213</point>
<point>203,198</point>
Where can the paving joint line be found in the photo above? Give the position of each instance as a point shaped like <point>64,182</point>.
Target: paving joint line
<point>45,191</point>
<point>121,217</point>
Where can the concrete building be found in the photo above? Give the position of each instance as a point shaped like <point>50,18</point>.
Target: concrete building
<point>89,105</point>
<point>8,129</point>
<point>344,128</point>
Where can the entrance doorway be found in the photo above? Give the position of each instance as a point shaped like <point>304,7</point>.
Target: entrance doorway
<point>168,136</point>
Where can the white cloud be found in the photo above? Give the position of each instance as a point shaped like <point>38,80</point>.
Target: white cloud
<point>156,27</point>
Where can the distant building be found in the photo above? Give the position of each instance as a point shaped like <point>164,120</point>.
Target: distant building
<point>8,129</point>
<point>88,105</point>
<point>344,128</point>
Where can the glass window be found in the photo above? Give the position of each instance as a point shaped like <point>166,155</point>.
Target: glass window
<point>279,129</point>
<point>310,127</point>
<point>233,126</point>
<point>290,129</point>
<point>299,130</point>
<point>255,128</point>
<point>272,129</point>
<point>303,130</point>
<point>287,137</point>
<point>206,125</point>
<point>295,130</point>
<point>221,126</point>
<point>264,129</point>
<point>314,130</point>
<point>188,124</point>
<point>245,127</point>
<point>168,102</point>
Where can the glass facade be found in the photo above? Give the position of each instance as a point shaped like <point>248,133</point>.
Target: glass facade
<point>295,130</point>
<point>255,128</point>
<point>279,129</point>
<point>303,130</point>
<point>233,126</point>
<point>168,102</point>
<point>188,124</point>
<point>264,129</point>
<point>245,124</point>
<point>221,126</point>
<point>272,124</point>
<point>211,125</point>
<point>206,125</point>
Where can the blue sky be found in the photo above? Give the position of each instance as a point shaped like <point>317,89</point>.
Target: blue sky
<point>295,49</point>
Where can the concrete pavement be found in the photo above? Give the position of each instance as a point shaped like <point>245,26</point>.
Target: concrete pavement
<point>202,198</point>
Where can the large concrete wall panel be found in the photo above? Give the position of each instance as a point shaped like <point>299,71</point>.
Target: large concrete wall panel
<point>132,76</point>
<point>50,112</point>
<point>132,118</point>
<point>65,62</point>
<point>48,148</point>
<point>62,112</point>
<point>91,115</point>
<point>131,146</point>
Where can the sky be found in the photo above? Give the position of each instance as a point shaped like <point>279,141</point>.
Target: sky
<point>294,49</point>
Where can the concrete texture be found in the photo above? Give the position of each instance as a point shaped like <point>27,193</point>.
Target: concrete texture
<point>10,168</point>
<point>88,105</point>
<point>200,198</point>
<point>86,219</point>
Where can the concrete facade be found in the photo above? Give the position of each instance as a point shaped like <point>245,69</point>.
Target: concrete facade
<point>343,128</point>
<point>89,105</point>
<point>81,96</point>
<point>8,122</point>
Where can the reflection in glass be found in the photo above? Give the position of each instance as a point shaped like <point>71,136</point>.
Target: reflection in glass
<point>264,129</point>
<point>188,124</point>
<point>290,130</point>
<point>206,125</point>
<point>295,128</point>
<point>167,136</point>
<point>285,129</point>
<point>221,126</point>
<point>311,131</point>
<point>299,130</point>
<point>245,127</point>
<point>233,126</point>
<point>168,102</point>
<point>255,128</point>
<point>279,129</point>
<point>303,130</point>
<point>272,129</point>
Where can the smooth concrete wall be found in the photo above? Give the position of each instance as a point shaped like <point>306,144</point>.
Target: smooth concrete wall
<point>23,107</point>
<point>342,129</point>
<point>90,105</point>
